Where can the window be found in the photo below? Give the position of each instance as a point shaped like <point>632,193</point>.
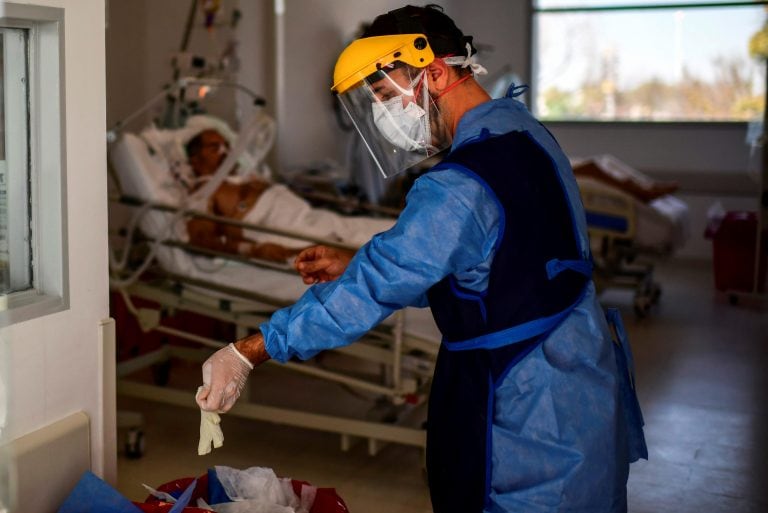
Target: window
<point>629,60</point>
<point>15,240</point>
<point>33,280</point>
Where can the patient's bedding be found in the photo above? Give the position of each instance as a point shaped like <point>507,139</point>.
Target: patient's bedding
<point>279,207</point>
<point>142,167</point>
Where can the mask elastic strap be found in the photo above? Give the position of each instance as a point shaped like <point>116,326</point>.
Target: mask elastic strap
<point>470,61</point>
<point>459,81</point>
<point>404,91</point>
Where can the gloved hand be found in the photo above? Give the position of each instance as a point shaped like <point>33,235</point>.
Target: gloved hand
<point>224,377</point>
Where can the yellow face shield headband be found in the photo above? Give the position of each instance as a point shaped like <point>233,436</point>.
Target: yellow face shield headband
<point>370,54</point>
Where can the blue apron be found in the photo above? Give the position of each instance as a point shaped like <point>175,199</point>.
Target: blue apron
<point>532,405</point>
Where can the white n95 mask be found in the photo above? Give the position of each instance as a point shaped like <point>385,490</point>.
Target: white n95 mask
<point>405,127</point>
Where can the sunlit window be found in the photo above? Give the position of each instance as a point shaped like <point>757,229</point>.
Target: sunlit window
<point>15,240</point>
<point>629,60</point>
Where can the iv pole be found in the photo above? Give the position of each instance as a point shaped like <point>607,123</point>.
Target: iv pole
<point>171,116</point>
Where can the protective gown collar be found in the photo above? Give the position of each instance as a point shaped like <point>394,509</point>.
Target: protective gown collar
<point>485,117</point>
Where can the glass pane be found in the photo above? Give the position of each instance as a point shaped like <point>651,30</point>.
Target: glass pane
<point>5,271</point>
<point>15,230</point>
<point>607,66</point>
<point>2,105</point>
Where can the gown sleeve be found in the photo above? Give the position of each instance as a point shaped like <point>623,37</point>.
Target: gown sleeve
<point>449,225</point>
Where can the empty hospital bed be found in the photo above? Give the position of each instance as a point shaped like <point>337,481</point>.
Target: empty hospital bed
<point>244,293</point>
<point>629,236</point>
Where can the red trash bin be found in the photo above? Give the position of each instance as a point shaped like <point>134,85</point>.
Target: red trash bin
<point>734,244</point>
<point>326,500</point>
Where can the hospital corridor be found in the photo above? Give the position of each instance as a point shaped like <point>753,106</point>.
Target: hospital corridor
<point>291,256</point>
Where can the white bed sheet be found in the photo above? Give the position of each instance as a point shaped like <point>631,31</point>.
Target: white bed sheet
<point>144,175</point>
<point>418,322</point>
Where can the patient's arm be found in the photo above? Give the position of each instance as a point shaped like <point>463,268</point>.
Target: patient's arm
<point>208,234</point>
<point>271,251</point>
<point>228,239</point>
<point>319,264</point>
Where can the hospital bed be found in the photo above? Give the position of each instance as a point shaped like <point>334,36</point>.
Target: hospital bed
<point>397,356</point>
<point>628,237</point>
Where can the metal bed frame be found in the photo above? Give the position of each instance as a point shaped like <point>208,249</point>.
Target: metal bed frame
<point>405,361</point>
<point>619,263</point>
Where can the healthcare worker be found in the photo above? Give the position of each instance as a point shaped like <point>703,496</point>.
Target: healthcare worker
<point>532,406</point>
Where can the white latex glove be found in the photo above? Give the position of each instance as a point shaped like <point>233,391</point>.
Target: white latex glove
<point>224,377</point>
<point>210,431</point>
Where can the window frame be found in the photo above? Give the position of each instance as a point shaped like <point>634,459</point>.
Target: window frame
<point>533,70</point>
<point>47,164</point>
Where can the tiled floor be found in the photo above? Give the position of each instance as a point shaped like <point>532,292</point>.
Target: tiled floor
<point>702,384</point>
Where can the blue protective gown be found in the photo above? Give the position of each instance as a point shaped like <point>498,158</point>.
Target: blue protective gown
<point>563,421</point>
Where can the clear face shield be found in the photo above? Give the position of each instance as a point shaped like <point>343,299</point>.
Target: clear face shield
<point>396,117</point>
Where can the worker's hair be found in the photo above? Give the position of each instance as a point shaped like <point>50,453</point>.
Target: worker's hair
<point>444,37</point>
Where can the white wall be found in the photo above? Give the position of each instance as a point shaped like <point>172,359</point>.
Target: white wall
<point>55,362</point>
<point>500,32</point>
<point>142,37</point>
<point>126,47</point>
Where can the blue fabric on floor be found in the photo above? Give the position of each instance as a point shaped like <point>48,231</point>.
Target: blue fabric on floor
<point>93,495</point>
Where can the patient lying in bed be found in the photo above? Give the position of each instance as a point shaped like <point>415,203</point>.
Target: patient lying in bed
<point>257,201</point>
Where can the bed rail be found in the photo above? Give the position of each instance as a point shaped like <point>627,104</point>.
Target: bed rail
<point>405,362</point>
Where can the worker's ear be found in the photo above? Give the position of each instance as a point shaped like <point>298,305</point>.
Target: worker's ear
<point>438,76</point>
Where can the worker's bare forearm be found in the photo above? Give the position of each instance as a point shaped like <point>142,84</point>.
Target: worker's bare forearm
<point>252,347</point>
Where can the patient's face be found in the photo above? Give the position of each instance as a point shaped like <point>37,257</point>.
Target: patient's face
<point>213,149</point>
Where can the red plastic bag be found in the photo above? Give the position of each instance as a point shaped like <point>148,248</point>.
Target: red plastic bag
<point>326,500</point>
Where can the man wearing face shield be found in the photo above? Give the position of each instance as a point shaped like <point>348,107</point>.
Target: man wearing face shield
<point>532,405</point>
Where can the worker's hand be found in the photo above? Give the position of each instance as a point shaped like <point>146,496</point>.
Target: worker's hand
<point>319,264</point>
<point>224,377</point>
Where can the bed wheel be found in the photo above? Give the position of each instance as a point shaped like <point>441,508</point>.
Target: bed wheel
<point>134,444</point>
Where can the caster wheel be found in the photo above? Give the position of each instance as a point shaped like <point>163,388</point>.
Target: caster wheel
<point>134,444</point>
<point>733,299</point>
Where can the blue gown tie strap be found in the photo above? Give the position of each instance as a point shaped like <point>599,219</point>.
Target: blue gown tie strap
<point>556,266</point>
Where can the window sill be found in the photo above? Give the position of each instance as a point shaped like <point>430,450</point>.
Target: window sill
<point>23,306</point>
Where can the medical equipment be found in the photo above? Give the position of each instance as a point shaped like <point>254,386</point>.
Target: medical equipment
<point>628,236</point>
<point>234,290</point>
